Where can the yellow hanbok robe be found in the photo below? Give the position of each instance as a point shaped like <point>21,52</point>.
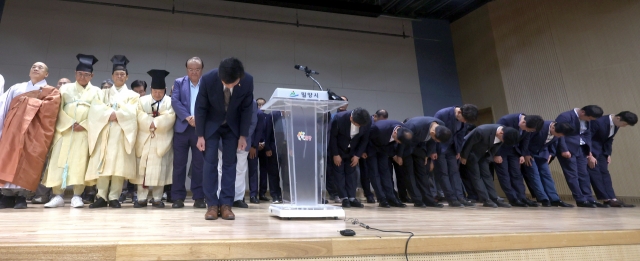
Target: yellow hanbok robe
<point>111,144</point>
<point>155,151</point>
<point>68,146</point>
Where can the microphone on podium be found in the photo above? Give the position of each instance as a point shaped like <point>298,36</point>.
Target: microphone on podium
<point>305,69</point>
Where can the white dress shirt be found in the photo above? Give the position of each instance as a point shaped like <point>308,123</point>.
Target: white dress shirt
<point>612,127</point>
<point>496,140</point>
<point>549,135</point>
<point>583,126</point>
<point>194,95</point>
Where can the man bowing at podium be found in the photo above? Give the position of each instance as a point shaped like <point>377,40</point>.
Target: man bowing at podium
<point>223,112</point>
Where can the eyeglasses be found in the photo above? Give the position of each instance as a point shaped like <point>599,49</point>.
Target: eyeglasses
<point>194,70</point>
<point>120,75</point>
<point>84,74</point>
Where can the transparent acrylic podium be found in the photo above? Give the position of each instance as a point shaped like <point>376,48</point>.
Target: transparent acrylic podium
<point>300,119</point>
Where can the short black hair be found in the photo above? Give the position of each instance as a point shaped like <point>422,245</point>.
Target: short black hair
<point>138,83</point>
<point>443,134</point>
<point>230,70</point>
<point>469,112</point>
<point>261,99</point>
<point>534,122</point>
<point>563,128</point>
<point>593,111</point>
<point>510,136</point>
<point>382,114</point>
<point>194,59</point>
<point>402,133</point>
<point>628,117</point>
<point>361,116</point>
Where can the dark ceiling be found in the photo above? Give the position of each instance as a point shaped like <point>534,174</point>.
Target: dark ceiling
<point>450,10</point>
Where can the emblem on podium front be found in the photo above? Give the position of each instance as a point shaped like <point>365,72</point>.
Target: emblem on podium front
<point>303,137</point>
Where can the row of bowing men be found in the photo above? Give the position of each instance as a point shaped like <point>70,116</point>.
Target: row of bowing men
<point>81,135</point>
<point>447,159</point>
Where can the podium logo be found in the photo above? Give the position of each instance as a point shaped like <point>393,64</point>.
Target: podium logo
<point>293,94</point>
<point>303,137</point>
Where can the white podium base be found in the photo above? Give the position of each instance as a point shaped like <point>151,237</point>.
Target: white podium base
<point>319,211</point>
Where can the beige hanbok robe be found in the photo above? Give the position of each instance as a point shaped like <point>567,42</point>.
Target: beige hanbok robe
<point>111,144</point>
<point>71,147</point>
<point>155,151</point>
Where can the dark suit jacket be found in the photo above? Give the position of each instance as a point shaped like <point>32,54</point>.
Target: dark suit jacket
<point>537,146</point>
<point>420,127</point>
<point>513,120</point>
<point>572,141</point>
<point>458,129</point>
<point>181,103</point>
<point>258,133</point>
<point>379,137</point>
<point>340,140</point>
<point>601,143</point>
<point>210,111</point>
<point>480,141</point>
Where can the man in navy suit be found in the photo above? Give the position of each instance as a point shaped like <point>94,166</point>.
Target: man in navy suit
<point>262,157</point>
<point>542,144</point>
<point>602,132</point>
<point>348,140</point>
<point>427,131</point>
<point>365,174</point>
<point>183,100</point>
<point>510,158</point>
<point>479,148</point>
<point>446,164</point>
<point>223,111</point>
<point>384,137</point>
<point>273,155</point>
<point>574,161</point>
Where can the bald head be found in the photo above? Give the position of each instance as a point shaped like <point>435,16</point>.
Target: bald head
<point>62,81</point>
<point>38,72</point>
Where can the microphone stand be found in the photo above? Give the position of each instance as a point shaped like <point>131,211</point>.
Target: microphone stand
<point>309,76</point>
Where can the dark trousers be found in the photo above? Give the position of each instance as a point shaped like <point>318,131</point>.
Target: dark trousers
<point>577,176</point>
<point>330,180</point>
<point>539,172</point>
<point>380,176</point>
<point>510,177</point>
<point>345,178</point>
<point>401,180</point>
<point>210,170</point>
<point>601,179</point>
<point>466,182</point>
<point>264,170</point>
<point>416,174</point>
<point>253,175</point>
<point>482,177</point>
<point>44,192</point>
<point>446,166</point>
<point>270,173</point>
<point>365,181</point>
<point>182,143</point>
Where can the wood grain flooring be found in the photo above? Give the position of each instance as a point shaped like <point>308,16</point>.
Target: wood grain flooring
<point>183,234</point>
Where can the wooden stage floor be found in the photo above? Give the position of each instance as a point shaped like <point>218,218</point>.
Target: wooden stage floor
<point>143,234</point>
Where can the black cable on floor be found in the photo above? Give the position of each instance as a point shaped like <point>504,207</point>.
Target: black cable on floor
<point>355,221</point>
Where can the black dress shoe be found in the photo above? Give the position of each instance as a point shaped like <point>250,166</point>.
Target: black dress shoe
<point>626,205</point>
<point>440,199</point>
<point>545,203</point>
<point>325,201</point>
<point>585,204</point>
<point>21,203</point>
<point>356,203</point>
<point>468,203</point>
<point>114,204</point>
<point>7,202</point>
<point>263,198</point>
<point>199,203</point>
<point>140,204</point>
<point>100,203</point>
<point>158,204</point>
<point>531,203</point>
<point>240,204</point>
<point>277,200</point>
<point>397,203</point>
<point>346,203</point>
<point>502,204</point>
<point>489,204</point>
<point>89,199</point>
<point>561,203</point>
<point>596,203</point>
<point>254,200</point>
<point>123,197</point>
<point>419,205</point>
<point>178,203</point>
<point>472,201</point>
<point>455,204</point>
<point>384,204</point>
<point>433,204</point>
<point>518,203</point>
<point>370,199</point>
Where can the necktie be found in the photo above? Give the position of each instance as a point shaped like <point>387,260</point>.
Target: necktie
<point>227,97</point>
